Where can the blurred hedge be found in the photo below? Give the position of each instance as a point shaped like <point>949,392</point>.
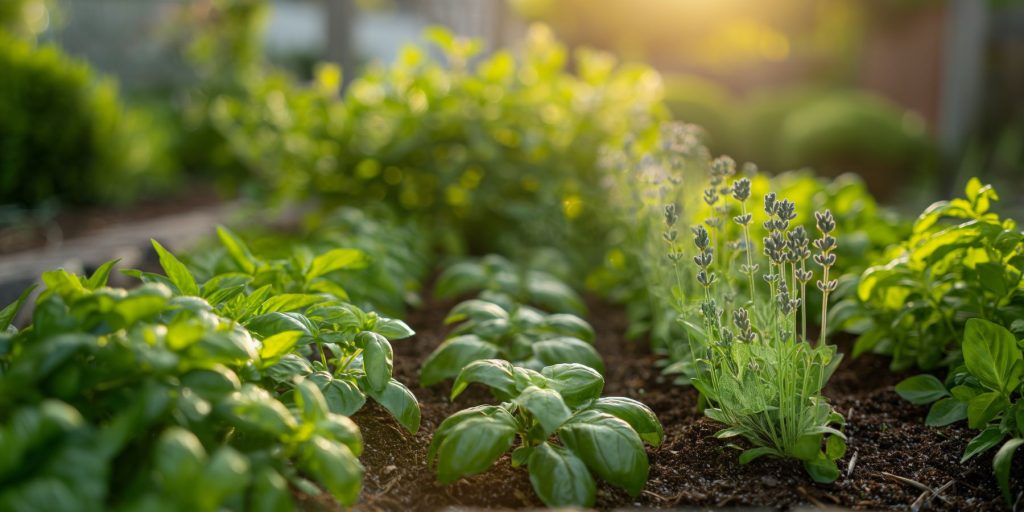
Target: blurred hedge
<point>64,133</point>
<point>833,131</point>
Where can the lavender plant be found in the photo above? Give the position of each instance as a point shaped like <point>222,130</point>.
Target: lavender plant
<point>754,363</point>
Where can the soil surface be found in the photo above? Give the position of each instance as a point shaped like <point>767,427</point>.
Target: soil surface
<point>892,461</point>
<point>29,233</point>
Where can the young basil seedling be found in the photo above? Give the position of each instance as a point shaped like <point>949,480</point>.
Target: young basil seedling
<point>518,333</point>
<point>566,433</point>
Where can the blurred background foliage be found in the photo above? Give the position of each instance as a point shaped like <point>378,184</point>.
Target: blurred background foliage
<point>325,103</point>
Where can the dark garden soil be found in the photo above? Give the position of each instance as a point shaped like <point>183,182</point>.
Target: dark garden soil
<point>892,459</point>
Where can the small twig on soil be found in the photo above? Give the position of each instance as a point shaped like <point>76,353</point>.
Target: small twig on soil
<point>851,465</point>
<point>814,501</point>
<point>927,496</point>
<point>913,483</point>
<point>656,496</point>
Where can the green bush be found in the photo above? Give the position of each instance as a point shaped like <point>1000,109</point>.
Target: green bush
<point>829,130</point>
<point>64,133</point>
<point>505,141</point>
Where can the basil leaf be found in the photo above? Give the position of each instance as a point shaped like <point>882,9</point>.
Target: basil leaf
<point>334,466</point>
<point>342,396</point>
<point>472,446</point>
<point>546,406</point>
<point>639,416</point>
<point>378,359</point>
<point>1002,463</point>
<point>176,271</point>
<point>496,374</point>
<point>567,350</point>
<point>983,442</point>
<point>560,478</point>
<point>921,389</point>
<point>945,412</point>
<point>991,355</point>
<point>575,382</point>
<point>451,356</point>
<point>609,447</point>
<point>400,402</point>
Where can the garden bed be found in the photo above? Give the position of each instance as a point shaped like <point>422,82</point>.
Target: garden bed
<point>887,437</point>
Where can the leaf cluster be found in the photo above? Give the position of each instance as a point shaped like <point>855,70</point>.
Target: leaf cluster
<point>567,434</point>
<point>962,261</point>
<point>146,399</point>
<point>498,325</point>
<point>987,390</point>
<point>351,354</point>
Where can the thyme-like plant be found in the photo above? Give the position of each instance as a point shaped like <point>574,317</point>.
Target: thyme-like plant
<point>755,365</point>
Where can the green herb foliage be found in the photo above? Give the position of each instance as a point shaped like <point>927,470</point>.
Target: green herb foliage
<point>987,390</point>
<point>567,434</point>
<point>754,364</point>
<point>65,135</point>
<point>145,399</point>
<point>522,334</point>
<point>501,281</point>
<point>351,354</point>
<point>469,142</point>
<point>962,261</point>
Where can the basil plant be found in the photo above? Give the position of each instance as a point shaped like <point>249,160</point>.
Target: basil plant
<point>556,424</point>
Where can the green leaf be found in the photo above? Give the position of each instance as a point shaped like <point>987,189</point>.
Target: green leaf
<point>991,355</point>
<point>568,325</point>
<point>276,346</point>
<point>460,278</point>
<point>496,374</point>
<point>99,278</point>
<point>393,329</point>
<point>180,459</point>
<point>309,401</point>
<point>448,425</point>
<point>639,416</point>
<point>982,408</point>
<point>921,389</point>
<point>335,467</point>
<point>336,259</point>
<point>822,469</point>
<point>993,278</point>
<point>575,382</point>
<point>237,249</point>
<point>270,324</point>
<point>176,271</point>
<point>286,302</point>
<point>983,442</point>
<point>567,350</point>
<point>835,447</point>
<point>378,359</point>
<point>945,412</point>
<point>1001,465</point>
<point>11,310</point>
<point>609,447</point>
<point>546,406</point>
<point>472,446</point>
<point>342,396</point>
<point>400,402</point>
<point>559,478</point>
<point>476,310</point>
<point>226,475</point>
<point>751,454</point>
<point>270,492</point>
<point>451,356</point>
